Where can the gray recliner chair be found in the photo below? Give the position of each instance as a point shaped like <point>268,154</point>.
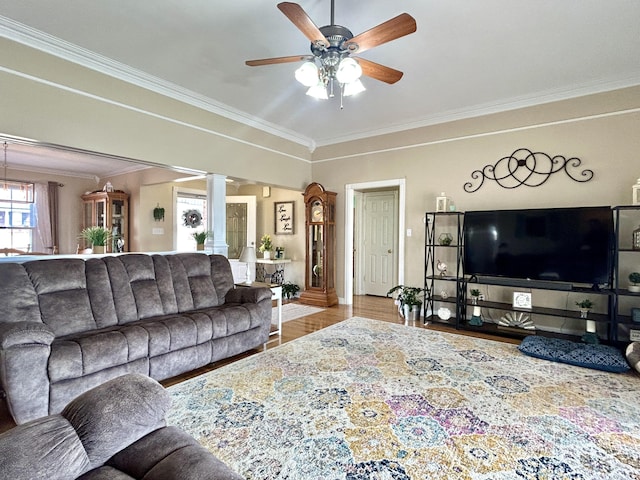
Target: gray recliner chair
<point>115,431</point>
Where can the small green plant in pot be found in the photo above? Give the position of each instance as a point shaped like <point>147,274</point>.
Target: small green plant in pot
<point>290,290</point>
<point>97,237</point>
<point>475,293</point>
<point>200,238</point>
<point>585,305</point>
<point>265,245</point>
<point>634,278</point>
<point>409,301</point>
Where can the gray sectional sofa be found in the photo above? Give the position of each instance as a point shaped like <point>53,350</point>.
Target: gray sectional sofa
<point>69,324</point>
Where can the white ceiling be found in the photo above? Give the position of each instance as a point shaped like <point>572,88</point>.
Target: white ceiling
<point>468,57</point>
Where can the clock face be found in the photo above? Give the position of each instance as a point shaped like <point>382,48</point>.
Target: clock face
<point>317,212</point>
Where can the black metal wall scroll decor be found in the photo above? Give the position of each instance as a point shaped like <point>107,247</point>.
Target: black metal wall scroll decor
<point>524,167</point>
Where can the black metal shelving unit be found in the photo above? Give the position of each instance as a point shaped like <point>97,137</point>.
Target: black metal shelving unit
<point>625,259</point>
<point>436,224</point>
<point>617,318</point>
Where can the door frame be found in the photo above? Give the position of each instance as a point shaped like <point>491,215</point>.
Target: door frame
<point>349,216</point>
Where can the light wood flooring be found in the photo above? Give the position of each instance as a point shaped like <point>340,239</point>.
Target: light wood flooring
<point>377,308</point>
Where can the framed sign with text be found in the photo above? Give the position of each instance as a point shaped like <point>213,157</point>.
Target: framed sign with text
<point>284,218</point>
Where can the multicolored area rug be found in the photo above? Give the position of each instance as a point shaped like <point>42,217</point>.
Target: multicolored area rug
<point>366,399</point>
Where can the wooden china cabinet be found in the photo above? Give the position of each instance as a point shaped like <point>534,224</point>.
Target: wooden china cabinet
<point>320,232</point>
<point>111,211</point>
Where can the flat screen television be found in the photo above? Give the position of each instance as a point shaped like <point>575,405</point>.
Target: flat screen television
<point>570,245</point>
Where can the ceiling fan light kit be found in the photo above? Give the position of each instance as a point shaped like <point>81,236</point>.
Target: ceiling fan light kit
<point>332,46</point>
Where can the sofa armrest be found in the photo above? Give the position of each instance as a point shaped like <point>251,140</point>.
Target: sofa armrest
<point>116,414</point>
<point>24,333</point>
<point>248,295</point>
<point>47,448</point>
<point>25,348</point>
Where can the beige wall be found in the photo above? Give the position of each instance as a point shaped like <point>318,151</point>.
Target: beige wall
<point>294,245</point>
<point>438,159</point>
<point>54,101</point>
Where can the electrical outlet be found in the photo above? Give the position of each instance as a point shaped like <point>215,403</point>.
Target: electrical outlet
<point>634,335</point>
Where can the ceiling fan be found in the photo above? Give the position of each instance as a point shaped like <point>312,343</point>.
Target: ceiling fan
<point>332,47</point>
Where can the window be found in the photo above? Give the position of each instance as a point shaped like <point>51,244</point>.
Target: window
<point>17,214</point>
<point>190,202</point>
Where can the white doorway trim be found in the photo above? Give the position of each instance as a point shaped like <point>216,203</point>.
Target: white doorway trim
<point>350,190</point>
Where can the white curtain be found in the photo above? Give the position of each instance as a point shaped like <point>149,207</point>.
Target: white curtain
<point>42,240</point>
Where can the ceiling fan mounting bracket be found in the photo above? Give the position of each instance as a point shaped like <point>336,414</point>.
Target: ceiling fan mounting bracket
<point>337,35</point>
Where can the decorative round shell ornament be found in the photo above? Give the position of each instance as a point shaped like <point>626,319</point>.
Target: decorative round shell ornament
<point>192,218</point>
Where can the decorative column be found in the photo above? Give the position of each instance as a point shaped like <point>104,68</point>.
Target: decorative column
<point>217,214</point>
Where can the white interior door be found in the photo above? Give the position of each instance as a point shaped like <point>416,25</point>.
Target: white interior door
<point>380,241</point>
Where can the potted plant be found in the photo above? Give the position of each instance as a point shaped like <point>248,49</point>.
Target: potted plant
<point>266,246</point>
<point>475,293</point>
<point>585,305</point>
<point>97,237</point>
<point>158,213</point>
<point>634,278</point>
<point>200,238</point>
<point>409,301</point>
<point>289,290</point>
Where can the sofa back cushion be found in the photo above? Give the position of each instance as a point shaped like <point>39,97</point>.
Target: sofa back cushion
<point>144,287</point>
<point>61,287</point>
<point>18,298</point>
<point>192,281</point>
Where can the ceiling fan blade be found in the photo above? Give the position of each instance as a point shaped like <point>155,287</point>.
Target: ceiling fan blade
<point>271,61</point>
<point>300,19</point>
<point>379,72</point>
<point>397,27</point>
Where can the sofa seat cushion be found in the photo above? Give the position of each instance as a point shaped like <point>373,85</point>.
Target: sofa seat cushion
<point>599,357</point>
<point>164,453</point>
<point>75,356</point>
<point>105,473</point>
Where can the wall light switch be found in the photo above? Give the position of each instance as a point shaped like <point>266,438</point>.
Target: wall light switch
<point>157,231</point>
<point>409,232</point>
<point>634,335</point>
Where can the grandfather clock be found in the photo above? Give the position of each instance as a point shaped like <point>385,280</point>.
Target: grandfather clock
<point>320,230</point>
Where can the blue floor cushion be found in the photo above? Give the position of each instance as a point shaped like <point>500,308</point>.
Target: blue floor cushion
<point>599,357</point>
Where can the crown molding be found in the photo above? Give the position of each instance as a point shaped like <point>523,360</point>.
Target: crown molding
<point>57,47</point>
<point>540,98</point>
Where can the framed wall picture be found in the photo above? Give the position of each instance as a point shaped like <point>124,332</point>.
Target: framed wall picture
<point>283,218</point>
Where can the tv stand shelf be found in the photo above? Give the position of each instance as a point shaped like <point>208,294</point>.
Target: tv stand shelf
<point>550,312</point>
<point>613,301</point>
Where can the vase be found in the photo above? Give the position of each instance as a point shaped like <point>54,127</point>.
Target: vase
<point>266,255</point>
<point>584,313</point>
<point>98,248</point>
<point>411,312</point>
<point>200,246</point>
